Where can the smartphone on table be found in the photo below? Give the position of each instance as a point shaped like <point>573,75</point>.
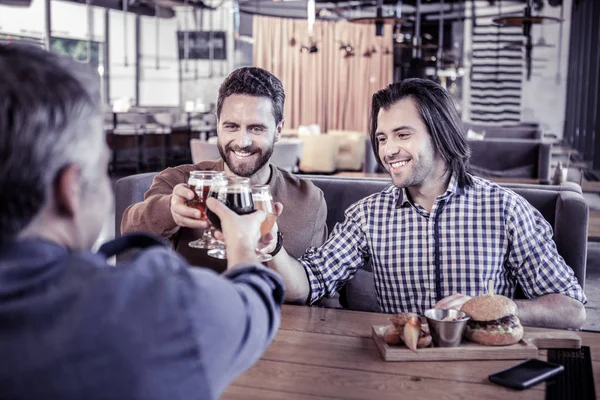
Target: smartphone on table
<point>526,374</point>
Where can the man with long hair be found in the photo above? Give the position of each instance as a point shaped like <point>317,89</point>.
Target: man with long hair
<point>249,123</point>
<point>438,235</point>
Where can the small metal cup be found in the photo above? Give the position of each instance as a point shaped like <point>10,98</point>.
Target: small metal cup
<point>446,333</point>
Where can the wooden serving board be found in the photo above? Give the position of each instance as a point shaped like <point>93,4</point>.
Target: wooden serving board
<point>526,348</point>
<point>553,340</point>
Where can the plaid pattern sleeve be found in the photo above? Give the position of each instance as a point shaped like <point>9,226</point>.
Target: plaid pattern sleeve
<point>333,264</point>
<point>533,257</point>
<point>471,235</point>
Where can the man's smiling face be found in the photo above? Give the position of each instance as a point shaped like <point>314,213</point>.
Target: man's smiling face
<point>405,145</point>
<point>247,133</point>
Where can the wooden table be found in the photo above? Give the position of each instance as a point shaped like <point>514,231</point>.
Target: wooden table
<point>323,353</point>
<point>594,226</point>
<point>590,187</point>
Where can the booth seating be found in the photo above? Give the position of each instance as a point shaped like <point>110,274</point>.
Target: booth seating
<point>563,206</point>
<point>511,158</point>
<point>287,154</point>
<point>351,150</point>
<point>519,131</point>
<point>319,153</point>
<point>337,150</point>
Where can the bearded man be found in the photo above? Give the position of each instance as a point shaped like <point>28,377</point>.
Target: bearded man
<point>249,123</point>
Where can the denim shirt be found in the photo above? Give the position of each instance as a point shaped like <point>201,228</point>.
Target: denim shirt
<point>74,327</point>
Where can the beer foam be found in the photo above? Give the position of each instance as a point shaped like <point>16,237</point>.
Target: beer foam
<point>261,197</point>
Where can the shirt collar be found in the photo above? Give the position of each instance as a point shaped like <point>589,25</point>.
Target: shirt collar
<point>453,188</point>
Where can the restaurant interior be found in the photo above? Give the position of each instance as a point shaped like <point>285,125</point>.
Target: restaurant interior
<point>525,79</point>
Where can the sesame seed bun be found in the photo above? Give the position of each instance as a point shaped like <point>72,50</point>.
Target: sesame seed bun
<point>489,307</point>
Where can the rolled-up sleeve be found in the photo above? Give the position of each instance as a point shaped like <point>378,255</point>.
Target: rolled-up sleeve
<point>331,265</point>
<point>533,257</point>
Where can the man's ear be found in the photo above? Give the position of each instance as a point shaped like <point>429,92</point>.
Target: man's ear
<point>279,129</point>
<point>67,190</point>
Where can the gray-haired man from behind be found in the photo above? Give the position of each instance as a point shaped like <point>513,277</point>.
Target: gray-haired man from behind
<point>73,327</point>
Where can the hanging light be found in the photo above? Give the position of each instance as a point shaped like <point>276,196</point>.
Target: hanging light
<point>311,17</point>
<point>156,34</point>
<point>312,48</point>
<point>380,20</point>
<point>125,61</point>
<point>311,13</point>
<point>525,20</point>
<point>186,38</point>
<point>235,10</point>
<point>347,47</point>
<point>90,30</point>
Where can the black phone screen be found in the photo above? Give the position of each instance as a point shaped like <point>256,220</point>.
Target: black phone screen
<point>526,374</point>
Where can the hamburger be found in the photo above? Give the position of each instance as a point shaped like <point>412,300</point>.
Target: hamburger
<point>493,321</point>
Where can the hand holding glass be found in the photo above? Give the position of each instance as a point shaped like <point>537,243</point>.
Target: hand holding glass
<point>264,201</point>
<point>200,183</point>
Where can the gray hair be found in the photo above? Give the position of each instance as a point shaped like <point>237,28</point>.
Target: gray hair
<point>49,119</point>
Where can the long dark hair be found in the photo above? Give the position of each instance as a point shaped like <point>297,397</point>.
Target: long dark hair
<point>438,112</point>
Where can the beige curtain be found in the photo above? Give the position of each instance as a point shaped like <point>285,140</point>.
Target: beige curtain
<point>329,88</point>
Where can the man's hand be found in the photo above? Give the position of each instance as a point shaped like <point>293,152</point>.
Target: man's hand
<point>268,242</point>
<point>240,232</point>
<point>453,302</point>
<point>183,215</point>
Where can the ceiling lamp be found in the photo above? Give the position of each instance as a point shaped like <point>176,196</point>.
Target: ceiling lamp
<point>347,47</point>
<point>515,20</point>
<point>309,49</point>
<point>525,20</point>
<point>380,20</point>
<point>310,11</point>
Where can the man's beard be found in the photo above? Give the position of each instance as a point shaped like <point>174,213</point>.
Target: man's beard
<point>245,169</point>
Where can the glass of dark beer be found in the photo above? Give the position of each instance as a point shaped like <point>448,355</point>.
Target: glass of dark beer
<point>236,194</point>
<point>200,183</point>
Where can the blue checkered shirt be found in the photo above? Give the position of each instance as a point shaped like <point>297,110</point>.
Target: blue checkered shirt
<point>473,234</point>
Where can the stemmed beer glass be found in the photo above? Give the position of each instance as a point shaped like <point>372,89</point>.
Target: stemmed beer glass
<point>200,183</point>
<point>236,194</point>
<point>264,201</point>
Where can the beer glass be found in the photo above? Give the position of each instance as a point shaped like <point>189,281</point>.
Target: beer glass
<point>236,194</point>
<point>264,201</point>
<point>200,183</point>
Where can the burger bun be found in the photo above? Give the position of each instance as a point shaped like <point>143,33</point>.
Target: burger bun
<point>489,307</point>
<point>493,338</point>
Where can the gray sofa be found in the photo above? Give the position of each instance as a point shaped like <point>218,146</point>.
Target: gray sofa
<point>511,158</point>
<point>563,206</point>
<point>522,131</point>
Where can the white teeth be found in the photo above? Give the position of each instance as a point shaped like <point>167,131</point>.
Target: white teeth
<point>241,154</point>
<point>399,164</point>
